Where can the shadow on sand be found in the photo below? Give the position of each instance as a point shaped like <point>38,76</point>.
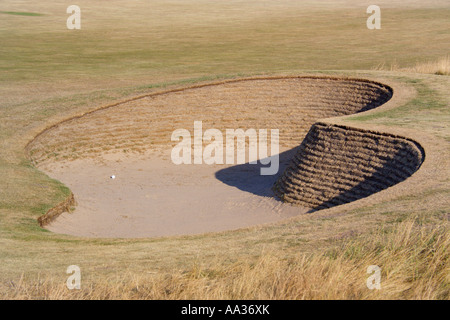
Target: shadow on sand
<point>247,177</point>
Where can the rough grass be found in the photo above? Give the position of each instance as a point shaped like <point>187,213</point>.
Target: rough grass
<point>439,67</point>
<point>414,262</point>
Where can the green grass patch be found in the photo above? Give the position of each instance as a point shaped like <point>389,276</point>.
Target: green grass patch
<point>19,13</point>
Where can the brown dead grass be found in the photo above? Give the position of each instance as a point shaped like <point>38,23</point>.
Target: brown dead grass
<point>414,262</point>
<point>439,67</point>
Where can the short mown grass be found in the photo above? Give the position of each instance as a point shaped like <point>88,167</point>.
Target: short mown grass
<point>427,102</point>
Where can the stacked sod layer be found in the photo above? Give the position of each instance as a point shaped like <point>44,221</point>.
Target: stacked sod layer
<point>290,104</point>
<point>336,165</point>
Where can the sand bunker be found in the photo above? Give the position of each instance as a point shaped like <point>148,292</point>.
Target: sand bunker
<point>150,196</point>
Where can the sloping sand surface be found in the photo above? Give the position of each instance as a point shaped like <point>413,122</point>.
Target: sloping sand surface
<point>152,197</point>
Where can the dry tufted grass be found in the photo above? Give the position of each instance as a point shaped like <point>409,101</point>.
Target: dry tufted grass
<point>439,67</point>
<point>414,262</point>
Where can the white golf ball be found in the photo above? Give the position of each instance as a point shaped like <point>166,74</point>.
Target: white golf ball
<point>113,177</point>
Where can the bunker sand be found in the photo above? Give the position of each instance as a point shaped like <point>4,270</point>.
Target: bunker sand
<point>151,197</point>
